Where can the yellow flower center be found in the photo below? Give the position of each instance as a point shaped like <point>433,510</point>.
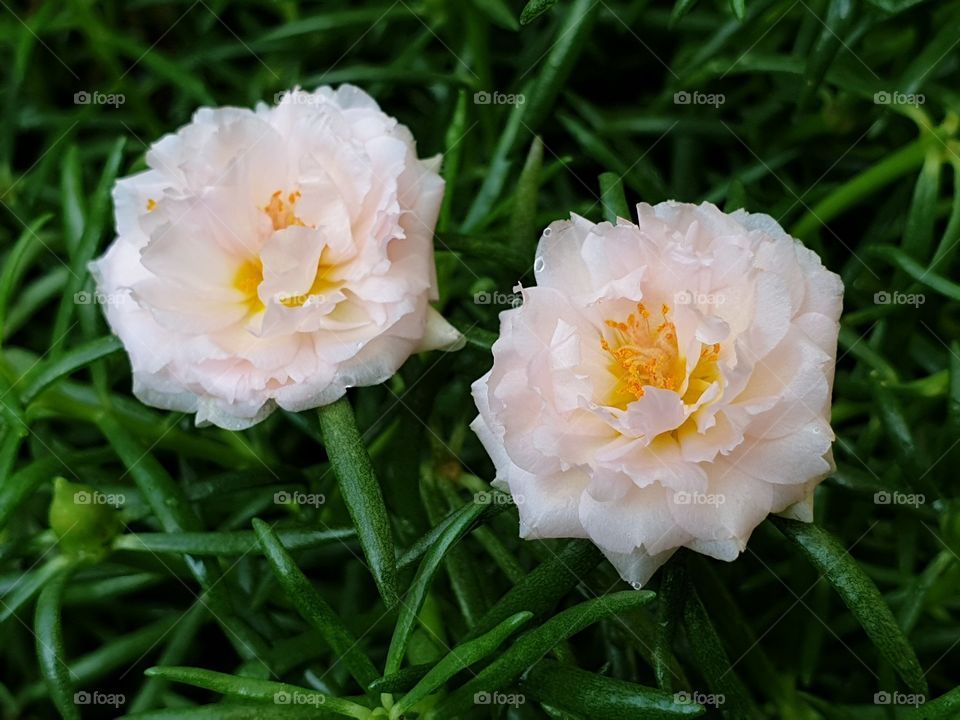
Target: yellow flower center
<point>247,280</point>
<point>249,275</point>
<point>282,213</point>
<point>644,353</point>
<point>322,284</point>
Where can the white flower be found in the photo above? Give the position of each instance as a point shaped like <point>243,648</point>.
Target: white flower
<point>665,384</point>
<point>274,257</point>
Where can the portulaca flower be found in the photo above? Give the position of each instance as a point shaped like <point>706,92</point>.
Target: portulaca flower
<point>665,384</point>
<point>274,257</point>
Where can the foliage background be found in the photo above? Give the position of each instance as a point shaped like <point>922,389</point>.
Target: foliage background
<point>794,629</point>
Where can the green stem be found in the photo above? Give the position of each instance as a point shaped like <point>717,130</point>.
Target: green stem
<point>906,160</point>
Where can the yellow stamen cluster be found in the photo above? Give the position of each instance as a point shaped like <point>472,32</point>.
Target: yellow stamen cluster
<point>282,213</point>
<point>645,353</point>
<point>705,373</point>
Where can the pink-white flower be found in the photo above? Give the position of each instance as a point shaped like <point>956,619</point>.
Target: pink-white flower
<point>274,257</point>
<point>665,384</point>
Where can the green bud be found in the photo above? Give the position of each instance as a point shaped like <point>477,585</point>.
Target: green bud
<point>85,520</point>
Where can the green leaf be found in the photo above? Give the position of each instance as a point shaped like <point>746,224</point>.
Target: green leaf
<point>915,270</point>
<point>860,595</point>
<point>49,636</point>
<point>96,220</point>
<point>33,297</point>
<point>29,584</point>
<point>499,13</point>
<point>895,6</point>
<point>17,488</point>
<point>736,196</point>
<point>740,639</point>
<point>454,147</point>
<point>240,542</point>
<point>14,264</point>
<point>172,508</point>
<point>164,496</point>
<point>953,403</point>
<point>919,589</point>
<point>894,165</point>
<point>911,457</point>
<point>670,599</point>
<point>571,36</point>
<point>401,681</point>
<point>918,235</point>
<point>49,372</point>
<point>461,657</point>
<point>265,690</point>
<point>230,711</point>
<point>413,600</point>
<point>841,14</point>
<point>586,694</point>
<point>534,9</point>
<point>312,607</point>
<point>681,8</point>
<point>523,220</point>
<point>613,198</point>
<point>945,707</point>
<point>948,245</point>
<point>541,589</point>
<point>351,465</point>
<point>739,9</point>
<point>711,658</point>
<point>498,250</point>
<point>117,654</point>
<point>9,450</point>
<point>532,646</point>
<point>639,174</point>
<point>73,201</point>
<point>176,648</point>
<point>324,22</point>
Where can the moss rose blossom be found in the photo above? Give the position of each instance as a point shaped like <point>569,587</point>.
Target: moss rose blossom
<point>274,257</point>
<point>665,384</point>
